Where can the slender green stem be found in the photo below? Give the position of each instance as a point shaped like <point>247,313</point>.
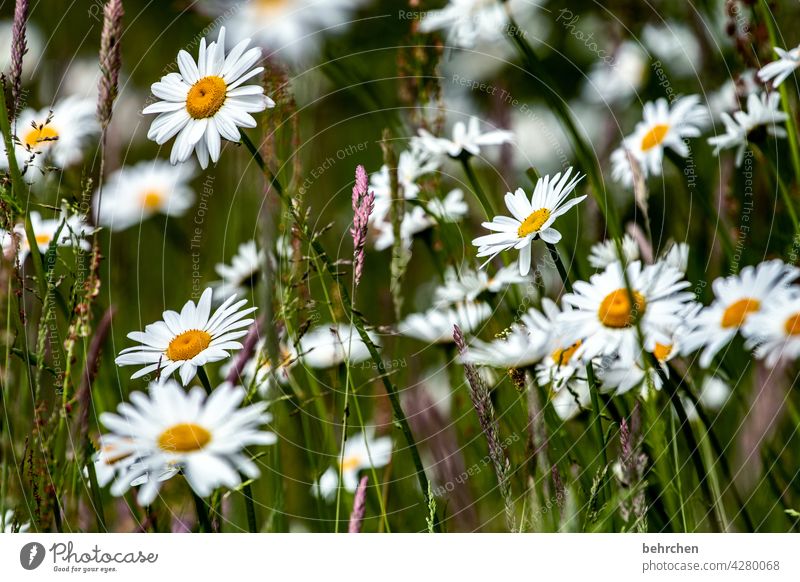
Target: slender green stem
<point>677,478</point>
<point>691,441</point>
<point>791,125</point>
<point>480,194</point>
<point>201,373</point>
<point>97,499</point>
<point>358,321</point>
<point>250,507</point>
<point>203,520</point>
<point>598,424</point>
<point>562,271</point>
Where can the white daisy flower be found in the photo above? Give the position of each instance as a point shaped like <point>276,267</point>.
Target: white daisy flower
<point>777,71</point>
<point>70,228</point>
<point>605,319</point>
<point>572,399</point>
<point>53,137</point>
<point>664,126</point>
<point>466,22</point>
<point>736,299</point>
<point>436,324</point>
<point>332,344</point>
<point>726,98</point>
<point>676,46</point>
<point>604,253</point>
<point>361,451</point>
<point>774,330</point>
<point>466,285</point>
<point>133,194</point>
<point>467,140</point>
<point>201,435</point>
<point>519,348</point>
<point>531,219</point>
<point>207,100</point>
<point>7,523</point>
<point>189,339</point>
<point>763,113</point>
<point>242,274</point>
<point>292,31</point>
<point>618,77</point>
<point>412,165</point>
<point>453,208</point>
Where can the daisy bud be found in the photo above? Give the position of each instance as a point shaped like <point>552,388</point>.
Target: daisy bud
<point>359,506</point>
<point>110,60</point>
<point>363,204</point>
<point>18,50</point>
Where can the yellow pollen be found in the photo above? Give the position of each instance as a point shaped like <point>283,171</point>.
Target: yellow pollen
<point>616,310</point>
<point>533,223</point>
<point>662,352</point>
<point>184,438</point>
<point>188,345</point>
<point>736,313</point>
<point>206,97</point>
<point>654,137</point>
<point>152,200</point>
<point>562,356</point>
<point>44,134</point>
<point>350,463</point>
<point>792,325</point>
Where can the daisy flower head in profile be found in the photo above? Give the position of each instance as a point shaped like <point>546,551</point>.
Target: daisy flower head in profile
<point>261,372</point>
<point>331,344</point>
<point>467,140</point>
<point>242,274</point>
<point>778,70</point>
<point>759,120</point>
<point>663,126</point>
<point>607,315</point>
<point>736,299</point>
<point>53,137</point>
<point>67,229</point>
<point>519,347</point>
<point>531,218</point>
<point>187,340</point>
<point>135,193</point>
<point>170,430</point>
<point>619,375</point>
<point>207,100</point>
<point>435,325</point>
<point>361,451</point>
<point>604,253</point>
<point>466,284</point>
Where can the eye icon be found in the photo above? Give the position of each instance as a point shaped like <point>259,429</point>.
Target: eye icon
<point>31,555</point>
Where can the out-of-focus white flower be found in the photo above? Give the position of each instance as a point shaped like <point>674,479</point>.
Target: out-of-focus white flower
<point>466,285</point>
<point>675,45</point>
<point>331,344</point>
<point>361,451</point>
<point>466,22</point>
<point>33,41</point>
<point>7,523</point>
<point>241,274</point>
<point>605,253</point>
<point>763,111</point>
<point>436,325</point>
<point>777,71</point>
<point>619,77</point>
<point>135,193</point>
<point>467,139</point>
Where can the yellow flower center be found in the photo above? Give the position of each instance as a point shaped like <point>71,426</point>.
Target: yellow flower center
<point>350,463</point>
<point>736,313</point>
<point>44,134</point>
<point>43,239</point>
<point>562,356</point>
<point>662,352</point>
<point>188,345</point>
<point>152,200</point>
<point>533,223</point>
<point>184,438</point>
<point>654,137</point>
<point>206,97</point>
<point>616,309</point>
<point>792,325</point>
<point>270,5</point>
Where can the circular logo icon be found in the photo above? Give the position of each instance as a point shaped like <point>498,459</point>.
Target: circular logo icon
<point>31,555</point>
